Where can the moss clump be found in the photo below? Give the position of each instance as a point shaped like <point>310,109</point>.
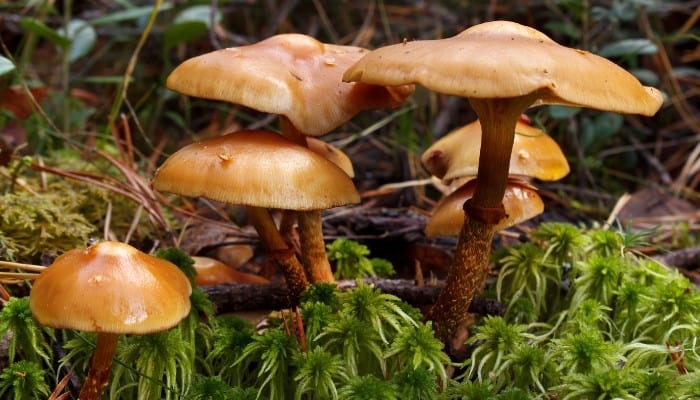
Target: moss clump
<point>37,224</point>
<point>46,219</point>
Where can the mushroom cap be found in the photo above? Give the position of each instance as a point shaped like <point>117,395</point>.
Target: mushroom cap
<point>256,168</point>
<point>535,154</point>
<point>503,59</point>
<point>293,75</point>
<point>520,201</point>
<point>332,154</point>
<point>214,272</point>
<point>110,287</point>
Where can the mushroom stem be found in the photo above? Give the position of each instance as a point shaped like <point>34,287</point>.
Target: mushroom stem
<point>313,248</point>
<point>465,278</point>
<point>100,365</point>
<point>291,267</point>
<point>288,230</point>
<point>498,119</point>
<point>483,211</point>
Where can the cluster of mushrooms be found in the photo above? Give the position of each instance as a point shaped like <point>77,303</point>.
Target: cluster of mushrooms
<point>265,170</point>
<point>502,68</point>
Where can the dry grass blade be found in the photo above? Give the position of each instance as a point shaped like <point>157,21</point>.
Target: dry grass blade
<point>135,187</point>
<point>16,277</point>
<point>21,266</point>
<point>56,394</point>
<point>679,101</point>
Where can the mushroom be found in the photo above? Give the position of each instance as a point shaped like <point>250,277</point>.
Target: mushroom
<point>502,68</point>
<point>535,154</point>
<point>109,288</point>
<point>211,271</point>
<point>455,158</point>
<point>291,75</point>
<point>298,78</point>
<point>521,202</point>
<point>259,169</point>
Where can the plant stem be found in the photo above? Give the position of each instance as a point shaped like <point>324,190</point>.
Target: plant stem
<point>101,364</point>
<point>483,211</point>
<point>291,267</point>
<point>65,68</point>
<point>121,93</point>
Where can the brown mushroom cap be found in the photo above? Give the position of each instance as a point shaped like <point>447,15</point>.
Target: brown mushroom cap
<point>503,59</point>
<point>256,168</point>
<point>535,154</point>
<point>289,74</point>
<point>520,201</point>
<point>110,287</point>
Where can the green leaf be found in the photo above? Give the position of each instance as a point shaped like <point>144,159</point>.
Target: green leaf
<point>184,32</point>
<point>190,24</point>
<point>37,27</point>
<point>197,13</point>
<point>626,47</point>
<point>81,36</point>
<point>128,15</point>
<point>6,66</point>
<point>646,76</point>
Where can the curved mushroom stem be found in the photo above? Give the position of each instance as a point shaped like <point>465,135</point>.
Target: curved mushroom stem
<point>313,248</point>
<point>291,267</point>
<point>101,364</point>
<point>470,265</point>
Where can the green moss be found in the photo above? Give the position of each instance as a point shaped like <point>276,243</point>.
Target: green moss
<point>46,219</point>
<point>34,225</point>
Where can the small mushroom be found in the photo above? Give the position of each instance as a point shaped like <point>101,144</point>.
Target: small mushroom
<point>520,201</point>
<point>109,288</point>
<point>211,271</point>
<point>535,154</point>
<point>259,169</point>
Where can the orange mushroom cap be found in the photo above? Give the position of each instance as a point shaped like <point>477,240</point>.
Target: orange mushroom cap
<point>503,59</point>
<point>256,168</point>
<point>110,287</point>
<point>535,154</point>
<point>293,75</point>
<point>520,201</point>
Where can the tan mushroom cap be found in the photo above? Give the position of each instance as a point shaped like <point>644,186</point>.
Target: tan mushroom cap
<point>520,201</point>
<point>535,154</point>
<point>289,74</point>
<point>256,168</point>
<point>503,59</point>
<point>332,154</point>
<point>110,287</point>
